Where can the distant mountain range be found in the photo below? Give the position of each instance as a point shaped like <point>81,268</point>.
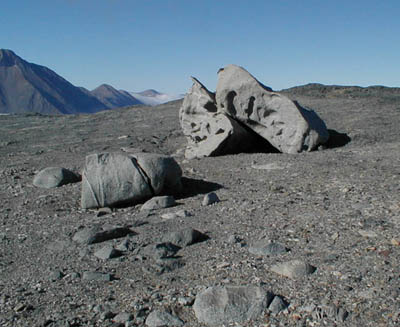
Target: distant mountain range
<point>27,87</point>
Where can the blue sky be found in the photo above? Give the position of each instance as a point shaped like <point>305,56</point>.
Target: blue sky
<point>135,45</point>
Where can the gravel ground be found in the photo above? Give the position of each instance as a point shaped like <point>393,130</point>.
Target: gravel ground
<point>337,209</point>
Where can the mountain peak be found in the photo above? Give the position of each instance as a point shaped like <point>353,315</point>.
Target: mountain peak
<point>8,58</point>
<point>149,93</point>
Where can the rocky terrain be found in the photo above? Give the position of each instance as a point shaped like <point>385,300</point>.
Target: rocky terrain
<point>319,231</point>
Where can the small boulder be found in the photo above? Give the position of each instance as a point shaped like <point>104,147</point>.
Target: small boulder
<point>159,318</point>
<point>265,247</point>
<point>52,177</point>
<point>159,202</point>
<point>234,304</point>
<point>210,198</point>
<point>111,179</point>
<point>185,237</point>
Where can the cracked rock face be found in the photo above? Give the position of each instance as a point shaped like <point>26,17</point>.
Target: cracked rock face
<point>111,179</point>
<point>209,133</point>
<point>224,122</point>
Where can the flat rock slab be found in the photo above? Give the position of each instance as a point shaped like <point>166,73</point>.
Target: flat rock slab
<point>293,269</point>
<point>159,318</point>
<point>107,252</point>
<point>97,276</point>
<point>265,247</point>
<point>97,234</point>
<point>52,177</point>
<point>159,202</point>
<point>234,304</point>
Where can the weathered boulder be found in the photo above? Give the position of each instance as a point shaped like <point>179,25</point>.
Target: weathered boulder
<point>232,304</point>
<point>111,179</point>
<point>54,177</point>
<point>209,133</point>
<point>283,122</point>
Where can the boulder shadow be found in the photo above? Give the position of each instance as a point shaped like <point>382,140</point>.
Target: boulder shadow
<point>192,187</point>
<point>336,139</point>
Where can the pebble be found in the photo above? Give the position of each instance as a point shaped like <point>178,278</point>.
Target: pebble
<point>177,214</point>
<point>185,237</point>
<point>277,305</point>
<point>367,233</point>
<point>210,198</point>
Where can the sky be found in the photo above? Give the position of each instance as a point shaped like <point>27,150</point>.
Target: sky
<point>136,45</point>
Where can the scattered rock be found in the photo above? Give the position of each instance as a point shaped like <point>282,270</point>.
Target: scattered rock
<point>111,179</point>
<point>235,304</point>
<point>293,269</point>
<point>123,317</point>
<point>265,247</point>
<point>159,202</point>
<point>161,250</point>
<point>54,177</point>
<point>96,234</point>
<point>210,198</point>
<point>367,233</point>
<point>159,318</point>
<point>277,305</point>
<point>185,237</point>
<point>104,211</point>
<point>177,214</point>
<point>107,252</point>
<point>97,276</point>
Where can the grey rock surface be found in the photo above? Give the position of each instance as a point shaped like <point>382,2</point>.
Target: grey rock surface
<point>293,269</point>
<point>160,318</point>
<point>231,304</point>
<point>111,179</point>
<point>266,247</point>
<point>97,234</point>
<point>208,132</point>
<point>107,252</point>
<point>210,198</point>
<point>284,123</point>
<point>159,202</point>
<point>96,276</point>
<point>184,237</point>
<point>54,177</point>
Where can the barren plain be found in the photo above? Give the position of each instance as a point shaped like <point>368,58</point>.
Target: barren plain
<point>337,209</point>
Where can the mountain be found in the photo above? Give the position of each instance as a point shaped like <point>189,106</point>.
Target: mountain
<point>153,98</point>
<point>27,87</point>
<point>114,98</point>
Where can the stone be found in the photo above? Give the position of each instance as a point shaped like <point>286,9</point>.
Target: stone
<point>293,269</point>
<point>161,250</point>
<point>208,132</point>
<point>277,305</point>
<point>265,247</point>
<point>123,317</point>
<point>97,276</point>
<point>159,202</point>
<point>107,252</point>
<point>111,179</point>
<point>177,214</point>
<point>282,122</point>
<point>185,237</point>
<point>230,304</point>
<point>210,198</point>
<point>96,234</point>
<point>52,177</point>
<point>160,318</point>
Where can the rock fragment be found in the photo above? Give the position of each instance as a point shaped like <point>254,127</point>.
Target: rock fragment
<point>96,234</point>
<point>107,252</point>
<point>293,269</point>
<point>97,276</point>
<point>266,247</point>
<point>185,237</point>
<point>210,198</point>
<point>160,318</point>
<point>52,177</point>
<point>159,202</point>
<point>233,304</point>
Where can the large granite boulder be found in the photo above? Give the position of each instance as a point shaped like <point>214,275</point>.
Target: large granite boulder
<point>243,111</point>
<point>209,133</point>
<point>111,179</point>
<point>283,122</point>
